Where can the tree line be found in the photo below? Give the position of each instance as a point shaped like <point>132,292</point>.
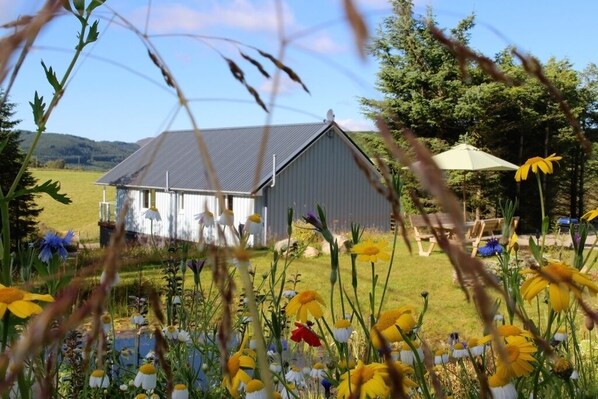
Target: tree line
<point>426,90</point>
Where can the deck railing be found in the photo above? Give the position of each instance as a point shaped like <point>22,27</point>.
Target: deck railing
<point>108,211</point>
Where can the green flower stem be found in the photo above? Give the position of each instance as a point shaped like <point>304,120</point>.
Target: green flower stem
<point>6,272</point>
<point>257,329</point>
<point>5,328</point>
<point>23,386</point>
<point>544,232</point>
<point>373,295</point>
<point>392,256</point>
<point>6,277</point>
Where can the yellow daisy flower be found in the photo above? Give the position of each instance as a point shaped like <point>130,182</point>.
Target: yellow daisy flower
<point>507,330</point>
<point>304,302</point>
<point>590,215</point>
<point>560,279</point>
<point>19,302</point>
<point>387,325</point>
<point>240,360</point>
<point>405,372</point>
<point>519,358</point>
<point>371,251</point>
<point>368,379</point>
<point>535,163</point>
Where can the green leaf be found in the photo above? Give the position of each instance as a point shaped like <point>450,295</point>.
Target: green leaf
<point>93,5</point>
<point>79,6</point>
<point>52,79</point>
<point>93,33</point>
<point>535,250</point>
<point>545,225</point>
<point>39,108</point>
<point>49,187</point>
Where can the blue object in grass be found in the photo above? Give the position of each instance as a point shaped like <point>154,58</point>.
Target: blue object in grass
<point>492,247</point>
<point>54,245</point>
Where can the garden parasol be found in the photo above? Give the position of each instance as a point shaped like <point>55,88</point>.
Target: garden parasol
<point>468,157</point>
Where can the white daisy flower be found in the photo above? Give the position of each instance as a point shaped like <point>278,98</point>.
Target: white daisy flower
<point>253,225</point>
<point>106,321</point>
<point>407,356</point>
<point>475,348</point>
<point>184,337</point>
<point>206,218</point>
<point>171,332</point>
<point>227,218</point>
<point>146,377</point>
<point>441,357</point>
<point>342,330</point>
<point>255,390</point>
<point>289,294</point>
<point>459,351</point>
<point>180,391</point>
<point>295,375</point>
<point>318,372</point>
<point>153,214</point>
<point>275,367</point>
<point>98,379</point>
<point>115,281</point>
<point>501,389</point>
<point>560,335</point>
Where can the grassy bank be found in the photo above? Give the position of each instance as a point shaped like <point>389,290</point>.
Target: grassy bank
<point>82,214</point>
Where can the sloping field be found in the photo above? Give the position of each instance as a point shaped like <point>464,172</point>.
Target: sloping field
<point>82,214</point>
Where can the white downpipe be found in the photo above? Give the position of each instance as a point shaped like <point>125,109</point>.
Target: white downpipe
<point>273,170</point>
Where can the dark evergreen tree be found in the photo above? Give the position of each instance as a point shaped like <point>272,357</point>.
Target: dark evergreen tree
<point>22,210</point>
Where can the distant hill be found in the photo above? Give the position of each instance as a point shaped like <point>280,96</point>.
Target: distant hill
<point>77,152</point>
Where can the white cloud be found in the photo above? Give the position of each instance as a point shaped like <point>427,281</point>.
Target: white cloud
<point>252,16</point>
<point>322,44</point>
<point>285,86</point>
<point>356,125</point>
<point>173,18</point>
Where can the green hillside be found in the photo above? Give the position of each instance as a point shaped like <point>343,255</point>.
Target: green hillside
<point>81,215</point>
<point>77,152</point>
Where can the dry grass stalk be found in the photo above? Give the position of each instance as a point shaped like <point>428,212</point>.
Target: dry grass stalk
<point>358,25</point>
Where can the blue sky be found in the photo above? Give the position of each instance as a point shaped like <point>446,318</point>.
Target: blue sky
<point>118,94</point>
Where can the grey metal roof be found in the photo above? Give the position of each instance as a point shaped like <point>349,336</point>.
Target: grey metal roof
<point>233,151</point>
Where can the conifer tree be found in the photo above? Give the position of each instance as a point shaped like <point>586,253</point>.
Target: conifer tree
<point>22,210</point>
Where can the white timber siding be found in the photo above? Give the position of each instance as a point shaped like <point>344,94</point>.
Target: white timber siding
<point>326,174</point>
<point>179,221</point>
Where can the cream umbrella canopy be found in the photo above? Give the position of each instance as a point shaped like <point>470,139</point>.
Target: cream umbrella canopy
<point>468,157</point>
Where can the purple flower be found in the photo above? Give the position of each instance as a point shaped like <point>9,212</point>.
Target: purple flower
<point>492,247</point>
<point>54,245</point>
<point>314,221</point>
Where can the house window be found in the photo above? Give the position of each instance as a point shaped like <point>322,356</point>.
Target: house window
<point>229,202</point>
<point>145,198</point>
<point>181,202</point>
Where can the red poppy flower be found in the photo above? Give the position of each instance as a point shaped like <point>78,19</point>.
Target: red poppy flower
<point>304,333</point>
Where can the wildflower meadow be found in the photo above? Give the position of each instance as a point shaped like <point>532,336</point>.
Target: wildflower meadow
<point>229,331</point>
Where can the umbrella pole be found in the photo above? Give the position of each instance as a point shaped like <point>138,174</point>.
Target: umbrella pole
<point>464,206</point>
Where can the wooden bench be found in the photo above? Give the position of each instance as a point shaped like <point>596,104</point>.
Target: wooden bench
<point>423,232</point>
<point>484,230</point>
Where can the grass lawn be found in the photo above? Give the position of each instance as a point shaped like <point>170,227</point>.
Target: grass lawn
<point>411,274</point>
<point>82,214</point>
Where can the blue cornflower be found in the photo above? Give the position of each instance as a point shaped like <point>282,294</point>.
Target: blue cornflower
<point>492,247</point>
<point>53,244</point>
